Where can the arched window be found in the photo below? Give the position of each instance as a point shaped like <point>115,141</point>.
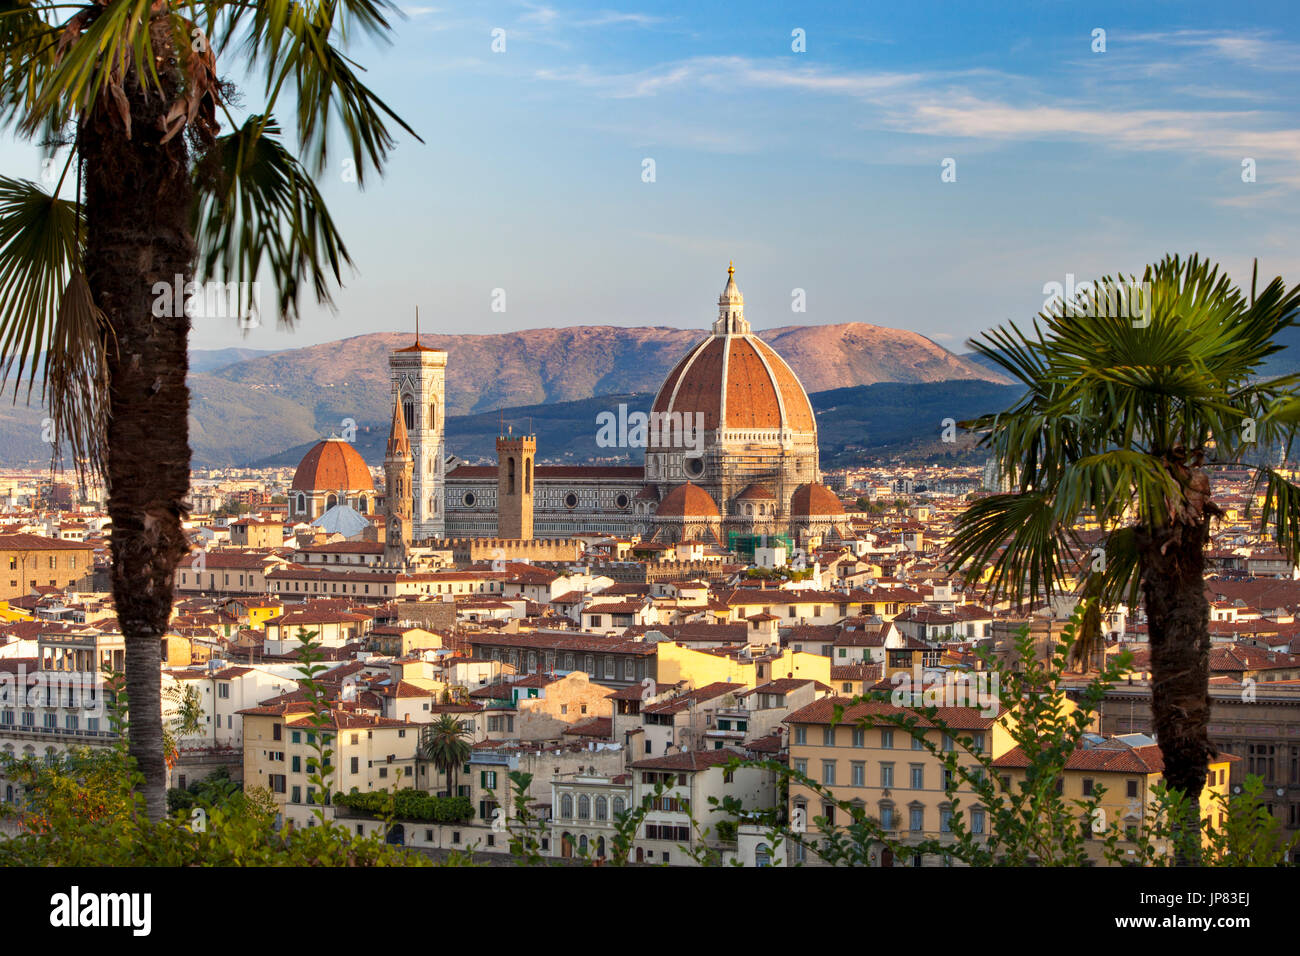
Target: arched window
<point>331,501</point>
<point>408,411</point>
<point>600,847</point>
<point>363,505</point>
<point>602,808</point>
<point>582,843</point>
<point>584,807</point>
<point>619,806</point>
<point>510,476</point>
<point>433,415</point>
<point>566,807</point>
<point>532,661</point>
<point>528,476</point>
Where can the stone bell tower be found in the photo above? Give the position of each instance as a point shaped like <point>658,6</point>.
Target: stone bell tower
<point>515,455</point>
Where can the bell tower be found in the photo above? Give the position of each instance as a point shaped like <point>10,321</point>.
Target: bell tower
<point>515,455</point>
<point>398,467</point>
<point>419,376</point>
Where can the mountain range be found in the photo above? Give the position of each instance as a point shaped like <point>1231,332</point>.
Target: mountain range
<point>250,406</point>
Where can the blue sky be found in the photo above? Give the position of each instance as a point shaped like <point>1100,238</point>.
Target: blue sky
<point>817,170</point>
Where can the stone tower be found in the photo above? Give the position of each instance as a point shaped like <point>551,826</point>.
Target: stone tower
<point>398,468</point>
<point>515,455</point>
<point>419,376</point>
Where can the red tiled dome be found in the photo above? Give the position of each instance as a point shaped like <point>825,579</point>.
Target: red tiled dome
<point>738,380</point>
<point>688,501</point>
<point>332,465</point>
<point>815,500</point>
<point>735,379</point>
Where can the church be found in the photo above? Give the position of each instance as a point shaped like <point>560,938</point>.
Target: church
<point>751,474</point>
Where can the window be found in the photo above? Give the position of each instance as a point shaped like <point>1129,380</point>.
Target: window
<point>886,816</point>
<point>800,766</point>
<point>618,805</point>
<point>859,737</point>
<point>1132,788</point>
<point>947,743</point>
<point>828,736</point>
<point>801,735</point>
<point>276,732</point>
<point>584,807</point>
<point>1087,786</point>
<point>828,773</point>
<point>886,775</point>
<point>945,819</point>
<point>566,807</point>
<point>355,765</point>
<point>859,773</point>
<point>917,744</point>
<point>886,740</point>
<point>602,808</point>
<point>977,821</point>
<point>916,819</point>
<point>918,776</point>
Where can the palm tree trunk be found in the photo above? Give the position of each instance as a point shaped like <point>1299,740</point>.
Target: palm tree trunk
<point>138,196</point>
<point>1173,564</point>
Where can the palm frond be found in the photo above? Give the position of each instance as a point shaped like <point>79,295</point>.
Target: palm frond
<point>49,326</point>
<point>257,210</point>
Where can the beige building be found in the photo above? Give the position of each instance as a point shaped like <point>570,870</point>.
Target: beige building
<point>882,770</point>
<point>370,753</point>
<point>29,561</point>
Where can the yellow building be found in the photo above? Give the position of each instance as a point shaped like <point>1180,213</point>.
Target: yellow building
<point>677,663</point>
<point>881,769</point>
<point>370,753</point>
<point>1125,770</point>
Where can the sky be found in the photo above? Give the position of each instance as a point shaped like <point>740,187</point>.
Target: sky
<point>819,169</point>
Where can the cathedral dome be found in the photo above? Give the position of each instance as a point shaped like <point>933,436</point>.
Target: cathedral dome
<point>815,500</point>
<point>688,501</point>
<point>332,465</point>
<point>735,379</point>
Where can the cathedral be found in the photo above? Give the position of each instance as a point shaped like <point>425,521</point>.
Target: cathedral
<point>743,470</point>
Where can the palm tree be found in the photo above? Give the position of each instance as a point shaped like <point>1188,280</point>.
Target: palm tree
<point>443,744</point>
<point>153,195</point>
<point>1128,410</point>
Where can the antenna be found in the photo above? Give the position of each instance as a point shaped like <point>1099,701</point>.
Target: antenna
<point>417,325</point>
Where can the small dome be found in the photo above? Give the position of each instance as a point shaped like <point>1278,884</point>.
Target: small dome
<point>756,492</point>
<point>332,465</point>
<point>688,501</point>
<point>342,519</point>
<point>815,500</point>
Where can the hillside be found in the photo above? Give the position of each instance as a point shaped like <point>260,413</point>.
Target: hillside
<point>883,418</point>
<point>248,408</point>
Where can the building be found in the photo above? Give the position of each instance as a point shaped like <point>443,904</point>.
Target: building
<point>731,455</point>
<point>330,474</point>
<point>29,561</point>
<point>418,376</point>
<point>881,769</point>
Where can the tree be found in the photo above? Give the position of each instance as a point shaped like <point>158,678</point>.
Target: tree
<point>98,274</point>
<point>443,744</point>
<point>1134,395</point>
